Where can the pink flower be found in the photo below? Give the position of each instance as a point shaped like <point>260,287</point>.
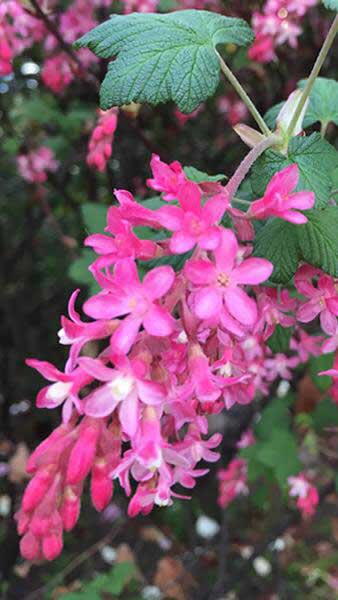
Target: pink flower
<point>57,73</point>
<point>65,388</point>
<point>125,387</point>
<point>101,140</point>
<point>126,295</point>
<point>124,244</point>
<point>191,222</point>
<point>263,49</point>
<point>307,494</point>
<point>232,482</point>
<point>34,166</point>
<point>219,283</point>
<point>334,374</point>
<point>323,298</point>
<point>166,178</point>
<point>279,201</point>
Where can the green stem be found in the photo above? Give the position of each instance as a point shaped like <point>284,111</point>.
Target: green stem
<point>323,128</point>
<point>241,201</point>
<point>246,164</point>
<point>314,74</point>
<point>244,96</point>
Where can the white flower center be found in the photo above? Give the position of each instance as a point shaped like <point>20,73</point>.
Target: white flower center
<point>59,390</point>
<point>121,386</point>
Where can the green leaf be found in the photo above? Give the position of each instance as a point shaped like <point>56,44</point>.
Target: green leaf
<point>318,364</point>
<point>78,270</point>
<point>325,414</point>
<point>275,416</point>
<point>200,177</point>
<point>281,454</point>
<point>318,239</point>
<point>316,159</point>
<point>323,104</point>
<point>162,57</point>
<point>280,339</point>
<point>174,261</point>
<point>94,216</point>
<point>332,4</point>
<point>277,241</point>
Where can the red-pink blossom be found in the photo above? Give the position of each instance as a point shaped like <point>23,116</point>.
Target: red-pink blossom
<point>232,482</point>
<point>167,179</point>
<point>322,295</point>
<point>306,493</point>
<point>280,200</point>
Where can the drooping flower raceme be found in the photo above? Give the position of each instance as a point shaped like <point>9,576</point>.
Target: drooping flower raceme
<point>174,344</point>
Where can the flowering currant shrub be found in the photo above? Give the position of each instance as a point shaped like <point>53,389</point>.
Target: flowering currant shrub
<point>206,293</point>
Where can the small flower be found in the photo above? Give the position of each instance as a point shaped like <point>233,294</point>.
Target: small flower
<point>279,201</point>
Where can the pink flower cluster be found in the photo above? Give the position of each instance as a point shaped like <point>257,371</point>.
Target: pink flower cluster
<point>34,165</point>
<point>306,494</point>
<point>101,140</point>
<point>279,23</point>
<point>234,110</point>
<point>174,347</point>
<point>232,482</point>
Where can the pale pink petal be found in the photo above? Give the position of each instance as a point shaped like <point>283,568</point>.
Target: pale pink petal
<point>207,303</point>
<point>43,400</point>
<point>226,252</point>
<point>182,242</point>
<point>158,321</point>
<point>150,392</point>
<point>96,368</point>
<point>74,315</point>
<point>100,403</point>
<point>252,271</point>
<point>125,335</point>
<point>125,272</point>
<point>158,281</point>
<point>330,373</point>
<point>129,414</point>
<point>170,217</point>
<point>240,305</point>
<point>231,324</point>
<point>200,272</point>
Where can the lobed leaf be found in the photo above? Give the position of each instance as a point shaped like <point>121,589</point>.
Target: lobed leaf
<point>162,57</point>
<point>277,241</point>
<point>332,4</point>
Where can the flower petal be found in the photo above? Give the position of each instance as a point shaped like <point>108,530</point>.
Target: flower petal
<point>207,303</point>
<point>182,242</point>
<point>158,321</point>
<point>125,335</point>
<point>240,305</point>
<point>252,271</point>
<point>129,414</point>
<point>158,281</point>
<point>100,403</point>
<point>226,252</point>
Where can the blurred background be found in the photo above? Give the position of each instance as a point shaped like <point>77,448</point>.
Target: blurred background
<point>257,548</point>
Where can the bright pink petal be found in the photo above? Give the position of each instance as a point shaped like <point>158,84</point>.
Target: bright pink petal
<point>284,182</point>
<point>210,239</point>
<point>301,200</point>
<point>170,217</point>
<point>308,311</point>
<point>292,216</point>
<point>328,322</point>
<point>189,197</point>
<point>226,252</point>
<point>101,244</point>
<point>158,321</point>
<point>332,304</point>
<point>125,272</point>
<point>231,324</point>
<point>207,303</point>
<point>47,370</point>
<point>100,403</point>
<point>241,306</point>
<point>182,242</point>
<point>106,305</point>
<point>158,281</point>
<point>200,272</point>
<point>74,315</point>
<point>125,335</point>
<point>252,271</point>
<point>215,208</point>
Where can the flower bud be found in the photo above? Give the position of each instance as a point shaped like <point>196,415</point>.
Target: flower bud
<point>70,509</point>
<point>52,545</point>
<point>30,547</point>
<point>36,489</point>
<point>101,485</point>
<point>82,455</point>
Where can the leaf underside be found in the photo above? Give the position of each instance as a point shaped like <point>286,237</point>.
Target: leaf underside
<point>162,57</point>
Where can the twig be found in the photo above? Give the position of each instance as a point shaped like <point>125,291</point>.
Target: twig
<point>81,558</point>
